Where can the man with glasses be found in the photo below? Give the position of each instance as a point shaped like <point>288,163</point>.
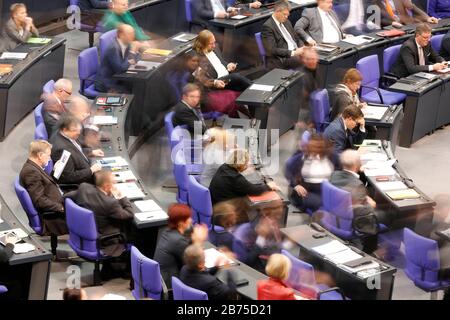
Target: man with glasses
<point>283,47</point>
<point>54,104</point>
<point>417,55</point>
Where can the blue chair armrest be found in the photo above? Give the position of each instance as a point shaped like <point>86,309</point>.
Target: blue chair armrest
<point>375,89</point>
<point>337,289</point>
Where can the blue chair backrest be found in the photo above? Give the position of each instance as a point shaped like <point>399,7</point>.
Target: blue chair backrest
<point>188,10</point>
<point>338,215</point>
<point>291,167</point>
<point>181,176</point>
<point>302,276</point>
<point>436,42</point>
<point>105,40</point>
<point>320,103</point>
<point>422,259</point>
<point>25,200</point>
<point>87,67</point>
<point>40,133</point>
<point>184,292</point>
<point>3,289</point>
<point>370,71</point>
<point>243,239</point>
<point>169,124</point>
<point>49,87</point>
<point>83,233</point>
<point>390,55</point>
<point>200,202</point>
<point>38,115</point>
<point>262,51</point>
<point>177,80</point>
<point>146,276</point>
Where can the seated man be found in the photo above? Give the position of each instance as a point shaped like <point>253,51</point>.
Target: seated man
<point>401,12</point>
<point>365,218</point>
<point>310,61</point>
<point>18,29</point>
<point>282,45</point>
<point>195,275</point>
<point>187,111</point>
<point>417,55</point>
<point>341,131</point>
<point>445,49</point>
<point>120,54</point>
<point>113,212</point>
<point>78,168</point>
<point>54,104</point>
<point>205,10</point>
<point>43,190</point>
<point>320,24</point>
<point>119,14</point>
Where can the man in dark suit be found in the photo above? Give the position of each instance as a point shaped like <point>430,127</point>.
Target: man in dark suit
<point>113,211</point>
<point>314,22</point>
<point>205,10</point>
<point>195,275</point>
<point>187,111</point>
<point>54,104</point>
<point>282,45</point>
<point>347,130</point>
<point>43,190</point>
<point>445,49</point>
<point>417,55</point>
<point>365,218</point>
<point>120,54</point>
<point>78,168</point>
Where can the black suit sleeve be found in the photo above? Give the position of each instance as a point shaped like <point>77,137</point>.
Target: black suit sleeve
<point>36,189</point>
<point>358,136</point>
<point>244,187</point>
<point>409,59</point>
<point>6,253</point>
<point>201,10</point>
<point>434,56</point>
<point>270,45</point>
<point>69,174</point>
<point>121,210</point>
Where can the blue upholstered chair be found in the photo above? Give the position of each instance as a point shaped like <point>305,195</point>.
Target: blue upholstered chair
<point>184,292</point>
<point>49,86</point>
<point>303,279</point>
<point>261,50</point>
<point>90,29</point>
<point>423,263</point>
<point>38,115</point>
<point>320,104</point>
<point>436,42</point>
<point>146,275</point>
<point>87,71</point>
<point>40,132</point>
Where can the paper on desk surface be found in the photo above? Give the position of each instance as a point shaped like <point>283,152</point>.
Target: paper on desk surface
<point>113,162</point>
<point>379,164</point>
<point>147,205</point>
<point>373,156</point>
<point>104,120</point>
<point>331,247</point>
<point>211,256</point>
<point>261,87</point>
<point>151,215</point>
<point>111,296</point>
<point>391,185</point>
<point>383,171</point>
<point>124,176</point>
<point>23,247</point>
<point>14,55</point>
<point>343,256</point>
<point>374,112</point>
<point>130,190</point>
<point>238,17</point>
<point>356,40</point>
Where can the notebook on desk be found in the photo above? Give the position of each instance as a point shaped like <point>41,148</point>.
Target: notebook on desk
<point>158,52</point>
<point>403,194</point>
<point>265,197</point>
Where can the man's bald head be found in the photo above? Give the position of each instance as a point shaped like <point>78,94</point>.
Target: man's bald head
<point>79,108</point>
<point>126,33</point>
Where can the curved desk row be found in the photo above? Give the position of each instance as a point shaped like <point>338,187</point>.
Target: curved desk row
<point>20,90</point>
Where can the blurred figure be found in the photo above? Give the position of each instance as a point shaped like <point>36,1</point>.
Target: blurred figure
<point>229,183</point>
<point>74,294</point>
<point>183,72</point>
<point>119,14</point>
<point>92,17</point>
<point>347,93</point>
<point>188,112</point>
<point>18,29</point>
<point>277,268</point>
<point>307,171</point>
<point>445,49</point>
<point>439,8</point>
<point>195,275</point>
<point>365,217</point>
<point>174,240</point>
<point>401,12</point>
<point>310,60</point>
<point>205,10</point>
<point>54,104</point>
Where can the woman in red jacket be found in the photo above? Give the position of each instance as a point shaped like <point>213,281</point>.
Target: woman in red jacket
<point>277,268</point>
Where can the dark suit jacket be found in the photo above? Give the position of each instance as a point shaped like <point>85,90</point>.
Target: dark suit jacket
<point>113,63</point>
<point>207,282</point>
<point>206,74</point>
<point>418,14</point>
<point>408,60</point>
<point>78,167</point>
<point>310,24</point>
<point>49,113</point>
<point>202,11</point>
<point>109,212</point>
<point>86,5</point>
<point>6,252</point>
<point>185,116</point>
<point>445,50</point>
<point>341,138</point>
<point>274,44</point>
<point>229,184</point>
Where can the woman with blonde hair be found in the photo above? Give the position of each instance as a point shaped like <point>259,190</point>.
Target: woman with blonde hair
<point>19,28</point>
<point>277,268</point>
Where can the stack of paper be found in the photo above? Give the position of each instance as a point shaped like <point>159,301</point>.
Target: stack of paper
<point>159,52</point>
<point>124,176</point>
<point>185,37</point>
<point>261,87</point>
<point>211,257</point>
<point>376,113</point>
<point>358,40</point>
<point>403,194</point>
<point>337,252</point>
<point>151,216</point>
<point>23,248</point>
<point>383,171</point>
<point>14,55</point>
<point>391,185</point>
<point>147,205</point>
<point>364,267</point>
<point>330,248</point>
<point>104,120</point>
<point>130,190</point>
<point>373,156</point>
<point>113,162</point>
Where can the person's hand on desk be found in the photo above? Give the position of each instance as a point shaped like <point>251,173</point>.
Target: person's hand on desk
<point>219,84</point>
<point>199,234</point>
<point>439,66</point>
<point>96,167</point>
<point>231,66</point>
<point>432,20</point>
<point>255,5</point>
<point>98,153</point>
<point>116,193</point>
<point>273,186</point>
<point>301,191</point>
<point>221,15</point>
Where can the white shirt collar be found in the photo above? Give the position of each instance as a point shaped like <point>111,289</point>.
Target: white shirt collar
<point>123,47</point>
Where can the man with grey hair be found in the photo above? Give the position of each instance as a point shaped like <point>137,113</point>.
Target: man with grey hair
<point>195,275</point>
<point>54,104</point>
<point>365,217</point>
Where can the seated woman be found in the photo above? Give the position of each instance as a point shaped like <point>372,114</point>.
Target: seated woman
<point>174,240</point>
<point>19,27</point>
<point>311,167</point>
<point>228,182</point>
<point>214,73</point>
<point>347,93</point>
<point>215,153</point>
<point>183,72</point>
<point>277,268</point>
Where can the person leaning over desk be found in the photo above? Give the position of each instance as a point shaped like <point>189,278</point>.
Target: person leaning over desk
<point>417,55</point>
<point>19,28</point>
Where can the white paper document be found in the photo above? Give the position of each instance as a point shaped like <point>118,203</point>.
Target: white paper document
<point>211,256</point>
<point>14,55</point>
<point>185,37</point>
<point>61,164</point>
<point>113,162</point>
<point>376,113</point>
<point>23,248</point>
<point>303,1</point>
<point>330,248</point>
<point>104,120</point>
<point>343,256</point>
<point>130,190</point>
<point>238,17</point>
<point>124,176</point>
<point>384,171</point>
<point>261,87</point>
<point>373,156</point>
<point>152,215</point>
<point>391,185</point>
<point>147,205</point>
<point>372,265</point>
<point>358,40</point>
